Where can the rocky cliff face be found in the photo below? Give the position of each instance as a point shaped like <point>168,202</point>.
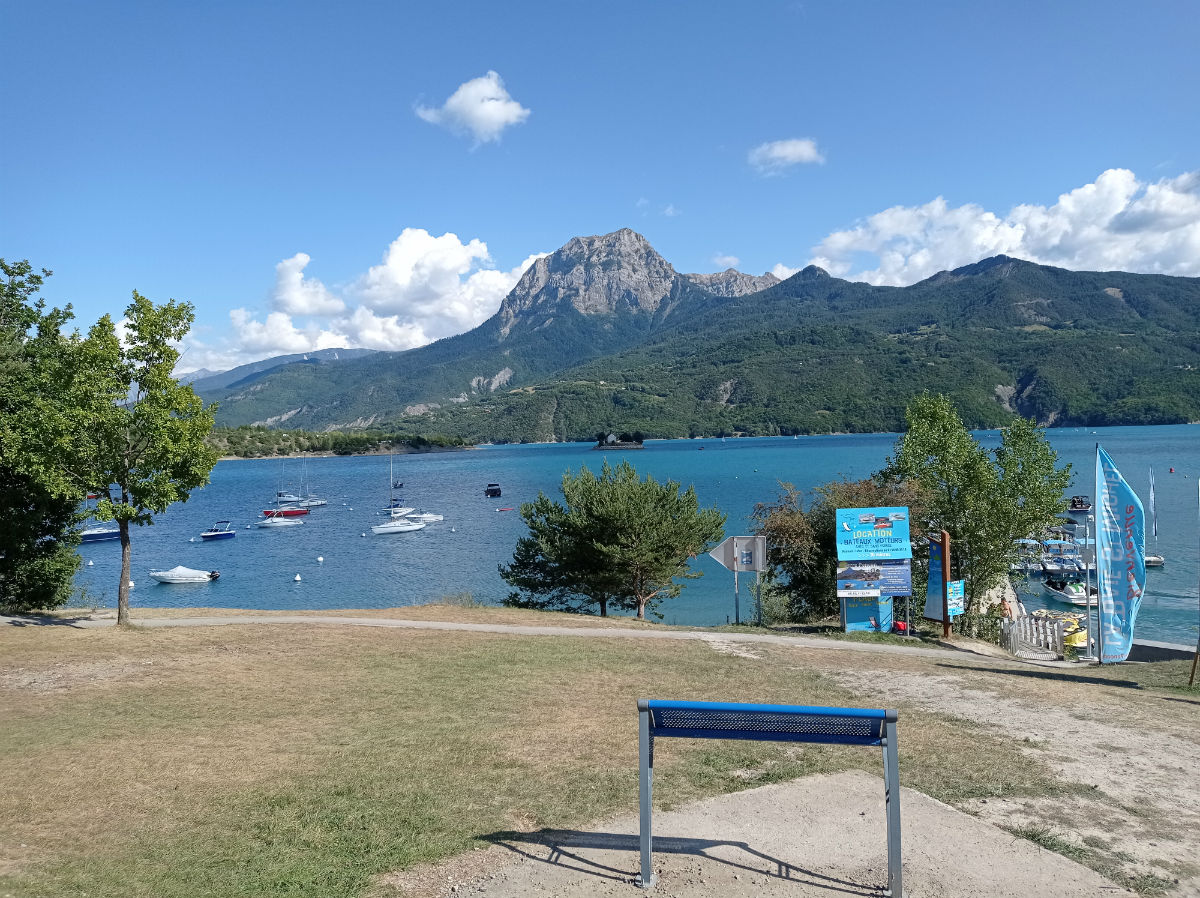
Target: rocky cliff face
<point>732,282</point>
<point>595,275</point>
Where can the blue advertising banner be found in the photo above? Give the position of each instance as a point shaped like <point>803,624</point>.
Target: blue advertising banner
<point>955,597</point>
<point>1120,558</point>
<point>933,593</point>
<point>872,534</point>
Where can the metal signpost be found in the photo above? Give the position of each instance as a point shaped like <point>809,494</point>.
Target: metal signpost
<point>741,553</point>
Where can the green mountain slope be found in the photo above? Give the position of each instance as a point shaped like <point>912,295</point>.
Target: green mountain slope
<point>810,354</point>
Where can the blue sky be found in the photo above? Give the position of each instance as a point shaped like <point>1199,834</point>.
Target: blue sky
<point>313,175</point>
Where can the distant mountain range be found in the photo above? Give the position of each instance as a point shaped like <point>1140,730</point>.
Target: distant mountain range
<point>604,334</point>
<point>205,381</point>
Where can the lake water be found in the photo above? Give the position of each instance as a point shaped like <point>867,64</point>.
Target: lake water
<point>461,554</point>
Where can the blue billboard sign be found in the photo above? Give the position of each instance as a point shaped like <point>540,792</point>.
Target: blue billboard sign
<point>872,534</point>
<point>955,597</point>
<point>895,577</point>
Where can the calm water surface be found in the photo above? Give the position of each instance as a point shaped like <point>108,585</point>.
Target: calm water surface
<point>461,554</point>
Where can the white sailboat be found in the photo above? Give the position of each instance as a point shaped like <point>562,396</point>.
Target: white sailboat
<point>1154,559</point>
<point>398,523</point>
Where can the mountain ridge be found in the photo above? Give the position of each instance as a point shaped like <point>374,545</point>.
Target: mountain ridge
<point>1002,335</point>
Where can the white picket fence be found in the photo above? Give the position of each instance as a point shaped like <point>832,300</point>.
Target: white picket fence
<point>1028,637</point>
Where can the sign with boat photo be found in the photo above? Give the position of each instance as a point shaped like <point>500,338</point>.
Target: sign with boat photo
<point>866,534</point>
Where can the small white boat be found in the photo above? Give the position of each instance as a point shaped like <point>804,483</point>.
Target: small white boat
<point>310,502</point>
<point>278,522</point>
<point>1070,591</point>
<point>429,517</point>
<point>180,574</point>
<point>398,525</point>
<point>1155,561</point>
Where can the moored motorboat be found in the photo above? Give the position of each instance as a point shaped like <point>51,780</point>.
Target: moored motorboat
<point>1155,561</point>
<point>219,530</point>
<point>1080,505</point>
<point>278,522</point>
<point>398,525</point>
<point>180,574</point>
<point>492,491</point>
<point>99,534</point>
<point>285,511</point>
<point>1068,590</point>
<point>425,516</point>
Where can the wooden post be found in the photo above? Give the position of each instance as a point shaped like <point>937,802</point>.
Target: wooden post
<point>945,585</point>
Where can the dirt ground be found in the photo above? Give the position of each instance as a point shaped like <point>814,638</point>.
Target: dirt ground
<point>817,836</point>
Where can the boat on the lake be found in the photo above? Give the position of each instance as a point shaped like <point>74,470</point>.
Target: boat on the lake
<point>492,491</point>
<point>1069,590</point>
<point>1080,505</point>
<point>219,530</point>
<point>1060,556</point>
<point>426,517</point>
<point>398,525</point>
<point>285,511</point>
<point>278,522</point>
<point>99,534</point>
<point>180,574</point>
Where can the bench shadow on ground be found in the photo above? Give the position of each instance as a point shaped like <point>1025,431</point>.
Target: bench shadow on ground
<point>565,847</point>
<point>47,620</point>
<point>1044,675</point>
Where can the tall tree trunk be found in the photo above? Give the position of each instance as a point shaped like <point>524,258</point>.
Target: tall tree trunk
<point>123,590</point>
<point>641,612</point>
<point>604,607</point>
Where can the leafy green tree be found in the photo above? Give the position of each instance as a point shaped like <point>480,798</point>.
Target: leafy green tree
<point>617,542</point>
<point>120,425</point>
<point>985,503</point>
<point>38,528</point>
<point>801,543</point>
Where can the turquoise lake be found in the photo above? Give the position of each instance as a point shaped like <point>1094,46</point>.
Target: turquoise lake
<point>461,554</point>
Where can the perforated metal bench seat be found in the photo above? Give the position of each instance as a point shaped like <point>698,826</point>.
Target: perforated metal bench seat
<point>770,723</point>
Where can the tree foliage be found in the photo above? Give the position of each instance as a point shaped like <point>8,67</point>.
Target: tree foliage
<point>117,423</point>
<point>801,542</point>
<point>37,526</point>
<point>617,542</point>
<point>984,500</point>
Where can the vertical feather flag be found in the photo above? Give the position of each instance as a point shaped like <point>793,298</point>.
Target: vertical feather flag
<point>1120,558</point>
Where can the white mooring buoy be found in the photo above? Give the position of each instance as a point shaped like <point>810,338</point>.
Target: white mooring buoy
<point>90,563</point>
<point>297,578</point>
<point>320,558</point>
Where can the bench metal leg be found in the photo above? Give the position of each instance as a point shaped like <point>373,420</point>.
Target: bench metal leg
<point>891,780</point>
<point>645,794</point>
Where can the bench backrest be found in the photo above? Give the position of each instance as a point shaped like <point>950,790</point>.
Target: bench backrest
<point>767,723</point>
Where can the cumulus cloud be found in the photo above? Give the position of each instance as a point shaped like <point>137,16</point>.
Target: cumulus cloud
<point>298,295</point>
<point>480,107</point>
<point>424,289</point>
<point>1115,222</point>
<point>670,211</point>
<point>782,271</point>
<point>777,156</point>
<point>721,260</point>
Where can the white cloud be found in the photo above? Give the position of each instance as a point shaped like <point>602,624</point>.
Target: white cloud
<point>782,271</point>
<point>723,261</point>
<point>670,211</point>
<point>298,295</point>
<point>480,106</point>
<point>776,156</point>
<point>426,288</point>
<point>1116,222</point>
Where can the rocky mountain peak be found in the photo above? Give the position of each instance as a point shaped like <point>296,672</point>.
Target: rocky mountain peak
<point>597,275</point>
<point>732,282</point>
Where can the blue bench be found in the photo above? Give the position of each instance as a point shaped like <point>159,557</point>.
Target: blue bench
<point>770,723</point>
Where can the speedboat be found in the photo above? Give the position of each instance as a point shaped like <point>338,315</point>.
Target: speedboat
<point>310,502</point>
<point>398,525</point>
<point>283,497</point>
<point>278,522</point>
<point>1060,557</point>
<point>425,516</point>
<point>397,510</point>
<point>1080,505</point>
<point>219,530</point>
<point>285,511</point>
<point>180,574</point>
<point>492,491</point>
<point>1155,561</point>
<point>1068,590</point>
<point>99,534</point>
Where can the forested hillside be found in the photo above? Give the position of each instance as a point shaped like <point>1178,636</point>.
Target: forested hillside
<point>579,348</point>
